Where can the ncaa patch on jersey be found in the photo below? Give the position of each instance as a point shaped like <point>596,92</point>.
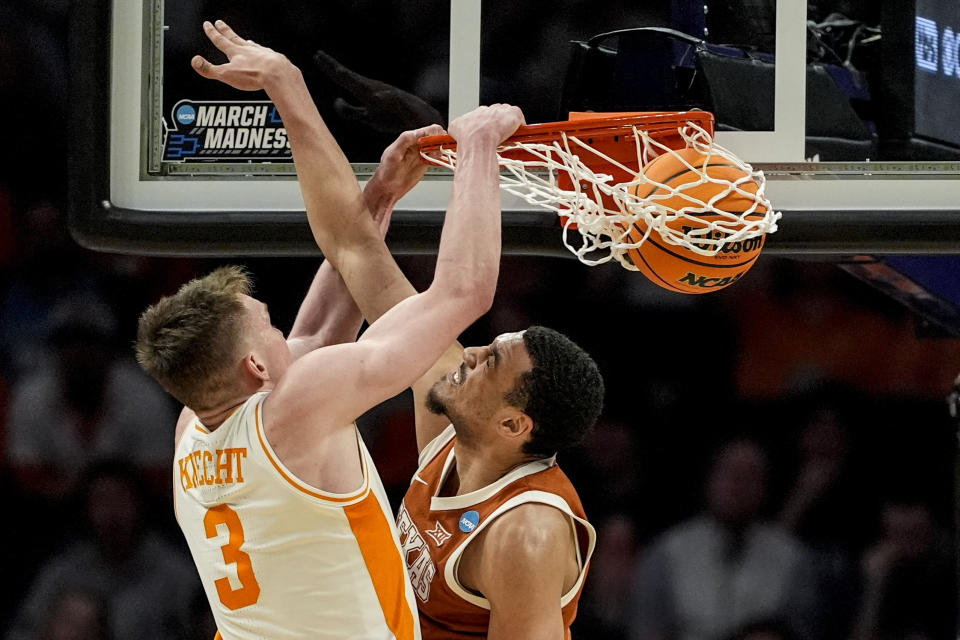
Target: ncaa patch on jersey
<point>469,521</point>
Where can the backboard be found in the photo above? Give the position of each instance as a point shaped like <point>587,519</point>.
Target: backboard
<point>872,173</point>
<point>137,188</point>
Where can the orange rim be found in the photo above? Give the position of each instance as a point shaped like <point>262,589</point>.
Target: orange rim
<point>604,132</point>
<point>611,134</point>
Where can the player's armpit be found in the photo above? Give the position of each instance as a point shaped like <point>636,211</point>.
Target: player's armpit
<point>519,566</point>
<point>372,276</point>
<point>325,389</point>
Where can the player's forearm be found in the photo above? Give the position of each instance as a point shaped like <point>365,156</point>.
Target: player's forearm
<point>382,289</point>
<point>328,315</point>
<point>379,197</point>
<point>544,628</point>
<point>416,332</point>
<point>331,192</point>
<point>469,256</point>
<point>330,189</point>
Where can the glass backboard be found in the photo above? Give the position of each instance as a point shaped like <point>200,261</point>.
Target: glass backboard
<point>166,162</point>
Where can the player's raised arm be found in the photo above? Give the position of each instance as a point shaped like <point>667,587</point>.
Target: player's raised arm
<point>406,341</point>
<point>328,314</point>
<point>400,169</point>
<point>345,233</point>
<point>469,251</point>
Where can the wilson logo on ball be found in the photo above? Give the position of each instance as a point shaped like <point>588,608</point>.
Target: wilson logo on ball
<point>700,191</point>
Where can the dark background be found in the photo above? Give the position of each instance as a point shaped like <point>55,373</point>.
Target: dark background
<point>794,346</point>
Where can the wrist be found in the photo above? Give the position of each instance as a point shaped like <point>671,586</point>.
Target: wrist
<point>480,139</point>
<point>375,193</point>
<point>279,73</point>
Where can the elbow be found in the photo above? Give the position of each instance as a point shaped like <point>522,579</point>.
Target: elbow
<point>475,304</point>
<point>471,297</point>
<point>483,296</point>
<point>486,286</point>
<point>326,240</point>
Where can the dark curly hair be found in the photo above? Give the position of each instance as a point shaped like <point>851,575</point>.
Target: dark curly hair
<point>562,393</point>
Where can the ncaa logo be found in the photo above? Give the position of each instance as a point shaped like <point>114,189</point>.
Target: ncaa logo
<point>186,114</point>
<point>469,521</point>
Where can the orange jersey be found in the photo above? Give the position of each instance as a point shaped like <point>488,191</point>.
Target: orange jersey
<point>434,531</point>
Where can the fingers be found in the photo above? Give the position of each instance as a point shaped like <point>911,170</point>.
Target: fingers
<point>510,112</point>
<point>229,34</point>
<point>219,40</point>
<point>203,66</point>
<point>500,120</point>
<point>429,130</point>
<point>512,118</point>
<point>223,37</point>
<point>519,113</point>
<point>411,138</point>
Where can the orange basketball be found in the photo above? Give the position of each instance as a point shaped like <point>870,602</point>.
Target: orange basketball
<point>675,267</point>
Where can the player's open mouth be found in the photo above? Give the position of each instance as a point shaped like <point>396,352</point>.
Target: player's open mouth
<point>458,376</point>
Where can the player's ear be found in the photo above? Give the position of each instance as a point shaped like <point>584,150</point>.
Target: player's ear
<point>515,425</point>
<point>255,367</point>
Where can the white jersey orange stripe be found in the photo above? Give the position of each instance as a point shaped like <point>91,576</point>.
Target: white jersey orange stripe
<point>279,558</point>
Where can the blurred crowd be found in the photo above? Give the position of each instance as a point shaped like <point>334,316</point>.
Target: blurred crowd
<point>774,461</point>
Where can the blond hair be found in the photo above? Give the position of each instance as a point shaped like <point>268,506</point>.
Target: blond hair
<point>189,342</point>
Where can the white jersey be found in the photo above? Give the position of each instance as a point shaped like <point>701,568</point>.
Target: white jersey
<point>278,558</point>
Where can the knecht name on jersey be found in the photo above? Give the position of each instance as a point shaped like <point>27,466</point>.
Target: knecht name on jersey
<point>225,131</point>
<point>204,468</point>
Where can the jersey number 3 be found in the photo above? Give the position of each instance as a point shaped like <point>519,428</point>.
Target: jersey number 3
<point>249,591</point>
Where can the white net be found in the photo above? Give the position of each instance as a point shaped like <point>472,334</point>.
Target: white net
<point>612,218</point>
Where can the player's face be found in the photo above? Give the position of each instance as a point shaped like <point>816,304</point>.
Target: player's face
<point>475,392</point>
<point>266,339</point>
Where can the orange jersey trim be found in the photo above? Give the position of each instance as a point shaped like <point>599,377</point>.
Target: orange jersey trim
<point>313,493</point>
<point>387,571</point>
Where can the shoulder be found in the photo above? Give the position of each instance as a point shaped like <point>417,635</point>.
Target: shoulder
<point>320,384</point>
<point>518,556</point>
<point>307,386</point>
<point>529,533</point>
<point>186,418</point>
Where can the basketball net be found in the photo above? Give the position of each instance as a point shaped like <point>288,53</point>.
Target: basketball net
<point>604,212</point>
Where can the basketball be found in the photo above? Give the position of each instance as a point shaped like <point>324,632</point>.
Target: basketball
<point>678,268</point>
